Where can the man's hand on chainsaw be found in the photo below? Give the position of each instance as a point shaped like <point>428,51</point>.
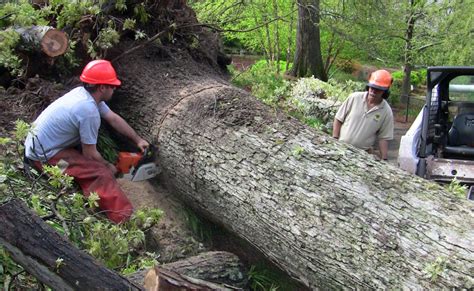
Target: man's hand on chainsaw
<point>142,144</point>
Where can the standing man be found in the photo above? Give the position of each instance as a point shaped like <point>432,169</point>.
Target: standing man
<point>366,116</point>
<point>73,122</point>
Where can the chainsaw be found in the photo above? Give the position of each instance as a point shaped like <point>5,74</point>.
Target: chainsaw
<point>138,166</point>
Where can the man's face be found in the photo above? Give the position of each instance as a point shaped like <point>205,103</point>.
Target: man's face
<point>375,95</point>
<point>107,92</point>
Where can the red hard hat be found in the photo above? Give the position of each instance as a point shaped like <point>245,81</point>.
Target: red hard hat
<point>100,72</point>
<point>380,79</point>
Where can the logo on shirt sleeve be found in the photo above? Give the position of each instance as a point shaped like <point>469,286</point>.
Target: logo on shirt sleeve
<point>377,117</point>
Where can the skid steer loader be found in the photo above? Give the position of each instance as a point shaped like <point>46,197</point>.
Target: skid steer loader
<point>440,143</point>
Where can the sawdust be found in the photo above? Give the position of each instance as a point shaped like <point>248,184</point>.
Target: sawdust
<point>171,238</point>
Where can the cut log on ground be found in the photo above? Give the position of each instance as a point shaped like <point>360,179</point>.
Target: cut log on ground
<point>327,213</point>
<point>158,279</point>
<point>49,40</point>
<point>216,267</point>
<point>49,257</point>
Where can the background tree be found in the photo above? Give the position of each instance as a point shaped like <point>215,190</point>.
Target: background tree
<point>404,33</point>
<point>260,26</point>
<point>308,58</point>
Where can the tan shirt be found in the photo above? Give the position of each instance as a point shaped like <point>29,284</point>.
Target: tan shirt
<point>361,127</point>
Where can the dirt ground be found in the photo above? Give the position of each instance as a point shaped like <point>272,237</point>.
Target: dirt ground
<point>172,237</point>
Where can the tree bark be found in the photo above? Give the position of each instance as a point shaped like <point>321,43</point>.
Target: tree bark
<point>216,267</point>
<point>407,64</point>
<point>308,59</point>
<point>327,213</point>
<point>49,40</point>
<point>37,248</point>
<point>159,279</point>
<point>49,257</point>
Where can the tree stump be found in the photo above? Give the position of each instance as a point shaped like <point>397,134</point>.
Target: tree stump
<point>50,41</point>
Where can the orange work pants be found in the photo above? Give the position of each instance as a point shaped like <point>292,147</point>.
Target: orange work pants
<point>94,176</point>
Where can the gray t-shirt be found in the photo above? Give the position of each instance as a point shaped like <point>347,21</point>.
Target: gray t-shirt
<point>70,120</point>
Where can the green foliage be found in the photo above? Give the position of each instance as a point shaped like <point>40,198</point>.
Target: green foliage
<point>140,13</point>
<point>345,65</point>
<point>107,147</point>
<point>264,278</point>
<point>107,37</point>
<point>459,190</point>
<point>12,276</point>
<point>105,29</point>
<point>120,247</point>
<point>21,14</point>
<point>262,78</point>
<point>307,88</point>
<point>260,279</point>
<point>416,77</point>
<point>269,26</point>
<point>300,99</point>
<point>69,13</point>
<point>436,268</point>
<point>129,24</point>
<point>199,227</point>
<point>113,244</point>
<point>22,129</point>
<point>297,151</point>
<point>9,39</point>
<point>56,178</point>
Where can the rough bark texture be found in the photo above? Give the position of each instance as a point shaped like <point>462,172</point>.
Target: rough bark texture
<point>216,267</point>
<point>37,248</point>
<point>327,213</point>
<point>158,279</point>
<point>308,59</point>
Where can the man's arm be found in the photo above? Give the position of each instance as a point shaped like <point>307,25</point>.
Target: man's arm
<point>120,125</point>
<point>336,128</point>
<point>90,151</point>
<point>383,147</point>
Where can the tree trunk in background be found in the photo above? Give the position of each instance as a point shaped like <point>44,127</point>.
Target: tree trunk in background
<point>327,213</point>
<point>290,39</point>
<point>407,67</point>
<point>308,59</point>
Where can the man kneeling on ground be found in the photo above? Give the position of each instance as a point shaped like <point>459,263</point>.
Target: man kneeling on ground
<point>73,120</point>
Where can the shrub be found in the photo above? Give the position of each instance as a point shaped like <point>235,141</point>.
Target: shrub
<point>345,65</point>
<point>416,77</point>
<point>261,79</point>
<point>315,102</point>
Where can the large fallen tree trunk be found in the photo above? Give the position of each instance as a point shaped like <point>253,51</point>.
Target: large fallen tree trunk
<point>327,213</point>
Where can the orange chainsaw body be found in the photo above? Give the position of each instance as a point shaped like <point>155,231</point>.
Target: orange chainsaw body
<point>127,160</point>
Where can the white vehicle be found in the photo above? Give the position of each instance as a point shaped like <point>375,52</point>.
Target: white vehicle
<point>440,143</point>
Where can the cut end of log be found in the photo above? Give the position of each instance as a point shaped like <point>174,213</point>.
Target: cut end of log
<point>54,43</point>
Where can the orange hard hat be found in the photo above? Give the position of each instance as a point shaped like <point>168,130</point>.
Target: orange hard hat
<point>380,79</point>
<point>100,72</point>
